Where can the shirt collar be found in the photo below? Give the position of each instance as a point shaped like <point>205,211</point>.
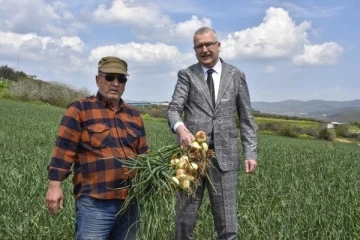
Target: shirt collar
<point>105,102</point>
<point>217,68</point>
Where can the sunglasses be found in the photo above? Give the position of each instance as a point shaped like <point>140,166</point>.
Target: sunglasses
<point>111,77</point>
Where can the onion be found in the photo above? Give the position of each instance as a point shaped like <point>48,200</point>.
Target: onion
<point>190,177</point>
<point>194,166</point>
<point>186,184</point>
<point>184,158</point>
<point>204,146</point>
<point>200,136</point>
<point>180,171</point>
<point>181,176</point>
<point>195,145</point>
<point>175,180</point>
<point>181,164</point>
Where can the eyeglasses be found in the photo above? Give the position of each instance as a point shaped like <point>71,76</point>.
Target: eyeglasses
<point>207,45</point>
<point>111,77</point>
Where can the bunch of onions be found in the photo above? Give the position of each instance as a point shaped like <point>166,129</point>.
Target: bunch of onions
<point>170,169</point>
<point>192,163</point>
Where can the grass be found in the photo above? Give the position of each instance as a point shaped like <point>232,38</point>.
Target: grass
<point>300,123</point>
<point>4,91</point>
<point>303,189</point>
<point>354,129</point>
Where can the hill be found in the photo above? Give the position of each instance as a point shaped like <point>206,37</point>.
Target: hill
<point>341,111</point>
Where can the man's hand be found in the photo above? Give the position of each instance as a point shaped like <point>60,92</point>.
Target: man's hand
<point>54,197</point>
<point>185,135</point>
<point>250,165</point>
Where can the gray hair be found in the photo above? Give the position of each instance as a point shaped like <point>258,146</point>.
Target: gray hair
<point>203,30</point>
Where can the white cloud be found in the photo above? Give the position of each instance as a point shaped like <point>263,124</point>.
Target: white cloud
<point>129,12</point>
<point>67,15</point>
<point>58,5</point>
<point>147,20</point>
<point>43,34</point>
<point>276,37</point>
<point>37,16</point>
<point>186,29</point>
<point>74,43</point>
<point>326,53</point>
<point>146,53</point>
<point>43,54</point>
<point>43,45</point>
<point>26,16</point>
<point>158,61</point>
<point>58,59</point>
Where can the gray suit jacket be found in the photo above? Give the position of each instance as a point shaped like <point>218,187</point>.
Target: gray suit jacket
<point>192,97</point>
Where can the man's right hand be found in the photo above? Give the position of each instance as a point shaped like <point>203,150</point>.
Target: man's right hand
<point>54,197</point>
<point>186,137</point>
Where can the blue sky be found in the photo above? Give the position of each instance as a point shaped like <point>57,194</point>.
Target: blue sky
<point>300,50</point>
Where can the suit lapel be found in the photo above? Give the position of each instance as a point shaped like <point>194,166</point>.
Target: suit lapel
<point>201,83</point>
<point>225,79</point>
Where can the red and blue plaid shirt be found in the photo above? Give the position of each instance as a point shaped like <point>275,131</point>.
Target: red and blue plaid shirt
<point>92,137</point>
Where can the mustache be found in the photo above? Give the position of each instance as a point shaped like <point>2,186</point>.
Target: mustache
<point>206,54</point>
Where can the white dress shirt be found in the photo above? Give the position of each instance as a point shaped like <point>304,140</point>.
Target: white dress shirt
<point>216,76</point>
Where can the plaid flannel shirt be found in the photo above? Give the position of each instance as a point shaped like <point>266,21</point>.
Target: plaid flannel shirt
<point>92,137</point>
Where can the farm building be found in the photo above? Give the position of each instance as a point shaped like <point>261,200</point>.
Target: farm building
<point>332,125</point>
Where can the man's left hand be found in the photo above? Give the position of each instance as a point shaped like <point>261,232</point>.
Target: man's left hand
<point>250,165</point>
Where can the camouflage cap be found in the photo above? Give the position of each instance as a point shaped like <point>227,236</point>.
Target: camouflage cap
<point>112,64</point>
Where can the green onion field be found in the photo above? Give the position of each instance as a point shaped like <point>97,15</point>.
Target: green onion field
<point>303,189</point>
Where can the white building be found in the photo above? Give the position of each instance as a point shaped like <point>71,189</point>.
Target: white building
<point>332,125</point>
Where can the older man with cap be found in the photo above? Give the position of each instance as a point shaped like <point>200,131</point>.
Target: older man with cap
<point>94,133</point>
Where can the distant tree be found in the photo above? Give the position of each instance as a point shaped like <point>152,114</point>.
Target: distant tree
<point>326,134</point>
<point>11,74</point>
<point>21,75</point>
<point>342,130</point>
<point>356,124</point>
<point>8,73</point>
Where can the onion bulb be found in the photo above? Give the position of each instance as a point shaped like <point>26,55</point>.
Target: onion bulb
<point>186,184</point>
<point>195,145</point>
<point>200,136</point>
<point>180,171</point>
<point>194,166</point>
<point>204,146</point>
<point>175,180</point>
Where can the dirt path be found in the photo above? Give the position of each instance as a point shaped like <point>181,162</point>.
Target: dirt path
<point>342,140</point>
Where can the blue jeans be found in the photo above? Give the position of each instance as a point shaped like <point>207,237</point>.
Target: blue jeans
<point>96,220</point>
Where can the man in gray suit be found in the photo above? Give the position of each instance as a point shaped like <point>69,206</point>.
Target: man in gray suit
<point>210,101</point>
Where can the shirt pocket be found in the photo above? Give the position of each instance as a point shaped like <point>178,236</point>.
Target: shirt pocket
<point>133,134</point>
<point>99,134</point>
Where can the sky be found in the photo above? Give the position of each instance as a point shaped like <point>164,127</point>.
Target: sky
<point>301,50</point>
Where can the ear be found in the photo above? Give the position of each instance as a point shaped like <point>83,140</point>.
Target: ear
<point>97,80</point>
